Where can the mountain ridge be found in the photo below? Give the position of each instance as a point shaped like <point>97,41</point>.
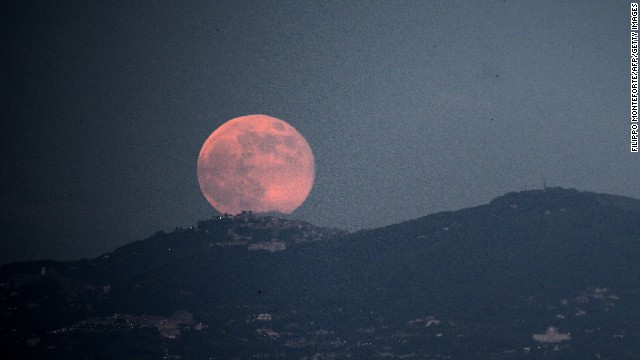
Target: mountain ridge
<point>509,264</point>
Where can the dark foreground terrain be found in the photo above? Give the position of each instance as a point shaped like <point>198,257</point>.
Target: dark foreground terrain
<point>476,283</point>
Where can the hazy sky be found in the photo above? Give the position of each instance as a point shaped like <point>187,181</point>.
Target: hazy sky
<point>410,107</point>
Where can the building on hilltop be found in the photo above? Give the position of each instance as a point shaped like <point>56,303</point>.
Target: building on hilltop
<point>551,336</point>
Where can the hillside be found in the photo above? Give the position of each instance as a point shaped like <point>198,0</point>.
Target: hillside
<point>473,283</point>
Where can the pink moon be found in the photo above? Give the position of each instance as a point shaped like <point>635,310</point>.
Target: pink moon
<point>256,163</point>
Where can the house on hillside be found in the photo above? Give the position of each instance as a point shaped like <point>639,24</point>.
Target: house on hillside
<point>551,336</point>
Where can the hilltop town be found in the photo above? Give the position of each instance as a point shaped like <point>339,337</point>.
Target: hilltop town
<point>267,233</point>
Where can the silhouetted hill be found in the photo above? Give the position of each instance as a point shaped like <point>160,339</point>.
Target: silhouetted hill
<point>547,243</point>
<point>474,283</point>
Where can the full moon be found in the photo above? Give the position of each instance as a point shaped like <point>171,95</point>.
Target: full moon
<point>256,163</point>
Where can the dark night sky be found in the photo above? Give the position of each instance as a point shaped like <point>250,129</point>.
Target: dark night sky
<point>410,108</point>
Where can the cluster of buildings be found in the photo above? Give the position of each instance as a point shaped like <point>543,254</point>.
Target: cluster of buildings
<point>266,233</point>
<point>552,335</point>
<point>169,327</point>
